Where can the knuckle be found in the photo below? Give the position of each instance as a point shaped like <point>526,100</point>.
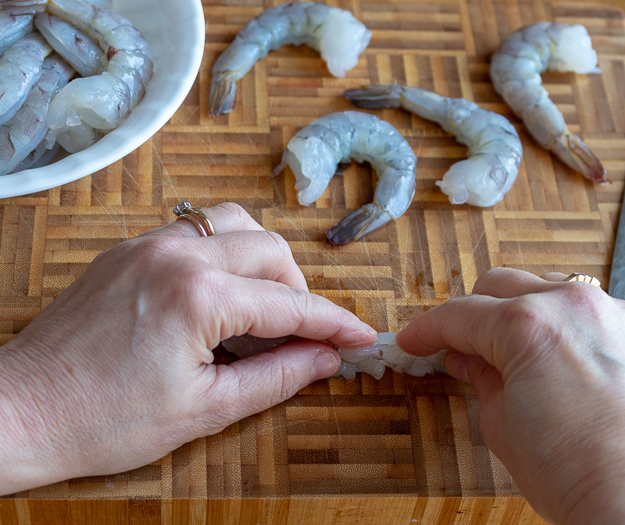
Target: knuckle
<point>527,322</point>
<point>486,279</point>
<point>236,211</point>
<point>281,245</point>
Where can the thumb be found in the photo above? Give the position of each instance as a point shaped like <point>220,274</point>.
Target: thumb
<point>254,384</point>
<point>474,369</point>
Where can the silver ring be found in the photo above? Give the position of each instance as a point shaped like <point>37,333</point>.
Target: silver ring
<point>583,278</point>
<point>185,211</point>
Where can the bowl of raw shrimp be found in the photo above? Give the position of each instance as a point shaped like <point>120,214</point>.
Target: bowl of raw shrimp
<point>175,31</point>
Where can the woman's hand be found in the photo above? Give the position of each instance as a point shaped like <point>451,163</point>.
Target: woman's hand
<point>117,371</point>
<point>547,360</point>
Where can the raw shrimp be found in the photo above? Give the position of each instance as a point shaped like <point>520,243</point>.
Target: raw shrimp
<point>21,134</point>
<point>384,352</point>
<point>495,150</point>
<point>370,359</point>
<point>100,102</point>
<point>12,28</point>
<point>315,152</point>
<point>40,156</point>
<point>515,70</point>
<point>20,68</point>
<point>72,44</point>
<point>335,33</point>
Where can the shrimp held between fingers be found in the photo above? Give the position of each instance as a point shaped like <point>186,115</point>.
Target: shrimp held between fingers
<point>20,68</point>
<point>495,150</point>
<point>20,135</point>
<point>370,359</point>
<point>335,33</point>
<point>315,152</point>
<point>98,103</point>
<point>515,70</point>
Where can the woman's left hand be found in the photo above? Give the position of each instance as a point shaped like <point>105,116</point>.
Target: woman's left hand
<point>118,370</point>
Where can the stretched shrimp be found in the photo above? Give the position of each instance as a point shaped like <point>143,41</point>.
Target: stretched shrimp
<point>98,103</point>
<point>515,70</point>
<point>40,156</point>
<point>73,45</point>
<point>21,134</point>
<point>335,33</point>
<point>370,359</point>
<point>12,28</point>
<point>495,150</point>
<point>20,68</point>
<point>315,152</point>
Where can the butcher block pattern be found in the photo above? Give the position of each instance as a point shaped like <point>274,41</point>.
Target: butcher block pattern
<point>401,435</point>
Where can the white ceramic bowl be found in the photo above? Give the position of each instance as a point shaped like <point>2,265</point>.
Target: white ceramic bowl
<point>175,32</point>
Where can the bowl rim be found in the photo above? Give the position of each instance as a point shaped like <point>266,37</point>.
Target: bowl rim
<point>33,180</point>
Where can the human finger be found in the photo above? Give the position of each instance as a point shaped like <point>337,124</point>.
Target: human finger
<point>509,282</point>
<point>555,277</point>
<point>478,325</point>
<point>474,369</point>
<point>232,305</point>
<point>251,385</point>
<point>225,217</point>
<point>255,254</point>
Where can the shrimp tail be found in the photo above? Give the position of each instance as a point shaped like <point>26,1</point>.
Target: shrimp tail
<point>358,223</point>
<point>576,154</point>
<point>375,96</point>
<point>223,94</point>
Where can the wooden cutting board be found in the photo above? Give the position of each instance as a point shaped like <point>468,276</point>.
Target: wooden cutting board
<point>340,451</point>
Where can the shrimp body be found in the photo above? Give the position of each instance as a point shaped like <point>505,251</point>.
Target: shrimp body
<point>515,71</point>
<point>101,102</point>
<point>315,152</point>
<point>20,68</point>
<point>384,352</point>
<point>495,150</point>
<point>73,45</point>
<point>335,33</point>
<point>21,134</point>
<point>12,28</point>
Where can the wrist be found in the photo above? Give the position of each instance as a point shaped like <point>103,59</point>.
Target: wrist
<point>27,457</point>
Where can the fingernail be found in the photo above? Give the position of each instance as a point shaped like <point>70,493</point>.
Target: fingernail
<point>324,365</point>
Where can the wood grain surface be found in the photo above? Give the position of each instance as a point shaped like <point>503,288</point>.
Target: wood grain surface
<point>337,441</point>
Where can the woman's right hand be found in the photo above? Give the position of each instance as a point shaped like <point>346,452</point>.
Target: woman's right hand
<point>547,361</point>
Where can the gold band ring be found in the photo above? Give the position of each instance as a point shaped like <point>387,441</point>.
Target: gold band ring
<point>583,278</point>
<point>185,211</point>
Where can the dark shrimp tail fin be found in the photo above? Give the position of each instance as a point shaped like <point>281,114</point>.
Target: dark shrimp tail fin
<point>223,95</point>
<point>375,96</point>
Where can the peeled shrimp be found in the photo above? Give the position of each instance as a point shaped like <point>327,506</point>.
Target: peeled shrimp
<point>495,150</point>
<point>20,135</point>
<point>20,68</point>
<point>515,71</point>
<point>12,28</point>
<point>72,44</point>
<point>315,152</point>
<point>100,102</point>
<point>335,33</point>
<point>370,359</point>
<point>384,352</point>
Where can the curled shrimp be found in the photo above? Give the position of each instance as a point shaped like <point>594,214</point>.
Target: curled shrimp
<point>87,106</point>
<point>12,28</point>
<point>73,45</point>
<point>495,150</point>
<point>515,71</point>
<point>335,33</point>
<point>20,135</point>
<point>315,152</point>
<point>20,68</point>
